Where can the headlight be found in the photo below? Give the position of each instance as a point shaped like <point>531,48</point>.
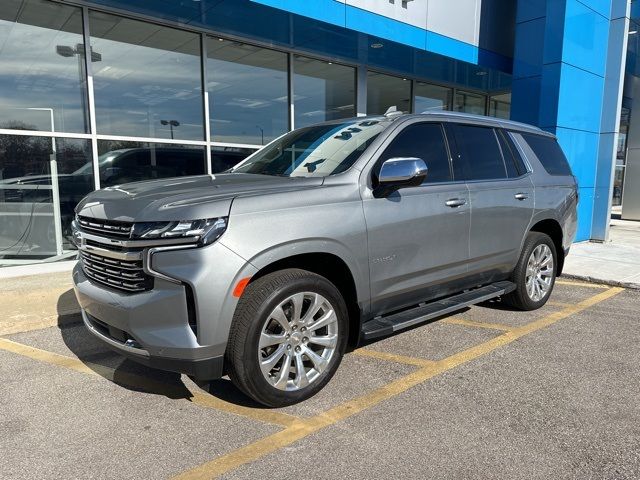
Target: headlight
<point>203,231</point>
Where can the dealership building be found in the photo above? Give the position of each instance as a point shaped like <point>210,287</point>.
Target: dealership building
<point>98,93</point>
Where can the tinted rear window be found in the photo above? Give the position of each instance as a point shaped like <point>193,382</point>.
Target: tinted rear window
<point>549,153</point>
<point>480,157</point>
<point>512,159</point>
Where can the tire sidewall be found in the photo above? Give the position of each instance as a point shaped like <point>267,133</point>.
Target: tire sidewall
<point>257,383</point>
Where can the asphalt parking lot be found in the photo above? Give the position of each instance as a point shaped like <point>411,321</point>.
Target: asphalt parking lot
<point>484,393</point>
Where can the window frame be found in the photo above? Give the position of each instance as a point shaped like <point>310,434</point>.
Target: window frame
<point>452,141</point>
<point>376,158</point>
<point>515,154</point>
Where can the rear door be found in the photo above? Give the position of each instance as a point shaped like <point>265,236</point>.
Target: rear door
<point>418,237</point>
<point>501,195</point>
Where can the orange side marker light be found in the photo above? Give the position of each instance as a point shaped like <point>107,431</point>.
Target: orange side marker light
<point>241,285</point>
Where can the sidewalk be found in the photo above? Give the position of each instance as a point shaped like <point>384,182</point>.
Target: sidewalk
<point>616,262</point>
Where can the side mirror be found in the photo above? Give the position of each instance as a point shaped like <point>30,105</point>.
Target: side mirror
<point>397,173</point>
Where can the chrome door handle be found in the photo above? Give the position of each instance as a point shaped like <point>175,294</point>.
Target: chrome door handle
<point>455,202</point>
<point>521,196</point>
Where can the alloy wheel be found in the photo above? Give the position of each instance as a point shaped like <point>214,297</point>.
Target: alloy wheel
<point>540,269</point>
<point>297,341</point>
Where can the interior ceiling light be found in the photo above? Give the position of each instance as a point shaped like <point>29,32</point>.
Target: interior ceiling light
<point>481,74</point>
<point>633,32</point>
<point>377,45</point>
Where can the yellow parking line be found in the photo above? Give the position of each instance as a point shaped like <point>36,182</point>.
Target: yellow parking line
<point>392,357</point>
<point>148,384</point>
<point>576,283</point>
<point>306,427</point>
<point>471,323</point>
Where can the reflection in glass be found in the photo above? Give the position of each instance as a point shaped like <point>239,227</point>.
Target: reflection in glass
<point>384,91</point>
<point>224,158</point>
<point>147,80</point>
<point>500,106</point>
<point>322,91</point>
<point>316,151</point>
<point>248,92</point>
<point>621,157</point>
<point>27,222</point>
<point>123,162</point>
<point>468,102</point>
<point>428,98</point>
<point>42,78</point>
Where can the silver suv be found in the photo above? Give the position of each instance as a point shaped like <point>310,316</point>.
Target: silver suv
<point>329,236</point>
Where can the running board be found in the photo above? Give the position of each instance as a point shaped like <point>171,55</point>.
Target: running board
<point>383,326</point>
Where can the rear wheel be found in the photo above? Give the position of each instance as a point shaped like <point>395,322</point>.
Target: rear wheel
<point>535,273</point>
<point>287,338</point>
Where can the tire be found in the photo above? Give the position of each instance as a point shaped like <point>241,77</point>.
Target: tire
<point>522,298</point>
<point>266,306</point>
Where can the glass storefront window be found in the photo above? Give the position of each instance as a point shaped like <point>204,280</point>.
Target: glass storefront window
<point>384,91</point>
<point>223,158</point>
<point>31,170</point>
<point>500,106</point>
<point>122,162</point>
<point>468,102</point>
<point>42,74</point>
<point>248,92</point>
<point>428,98</point>
<point>621,157</point>
<point>147,79</point>
<point>322,91</point>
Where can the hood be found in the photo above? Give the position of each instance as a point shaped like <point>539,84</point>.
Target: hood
<point>187,198</point>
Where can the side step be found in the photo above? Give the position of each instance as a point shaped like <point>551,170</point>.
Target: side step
<point>383,326</point>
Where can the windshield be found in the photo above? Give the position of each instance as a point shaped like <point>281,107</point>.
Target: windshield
<point>316,151</point>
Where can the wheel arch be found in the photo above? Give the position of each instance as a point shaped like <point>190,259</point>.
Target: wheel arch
<point>552,228</point>
<point>330,266</point>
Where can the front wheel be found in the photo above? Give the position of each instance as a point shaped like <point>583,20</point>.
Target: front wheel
<point>287,338</point>
<point>535,273</point>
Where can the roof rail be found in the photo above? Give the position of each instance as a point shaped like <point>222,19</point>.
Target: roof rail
<point>483,118</point>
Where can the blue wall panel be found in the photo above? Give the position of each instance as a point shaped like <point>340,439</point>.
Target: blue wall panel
<point>580,99</point>
<point>530,10</point>
<point>583,149</point>
<point>380,26</point>
<point>578,73</point>
<point>527,58</point>
<point>452,48</point>
<point>585,39</point>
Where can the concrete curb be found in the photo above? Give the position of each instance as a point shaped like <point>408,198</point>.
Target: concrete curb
<point>611,283</point>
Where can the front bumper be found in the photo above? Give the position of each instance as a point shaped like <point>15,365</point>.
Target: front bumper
<point>152,327</point>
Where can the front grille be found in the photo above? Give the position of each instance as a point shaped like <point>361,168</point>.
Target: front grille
<point>109,228</point>
<point>124,275</point>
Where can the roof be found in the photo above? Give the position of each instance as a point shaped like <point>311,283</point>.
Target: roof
<point>493,121</point>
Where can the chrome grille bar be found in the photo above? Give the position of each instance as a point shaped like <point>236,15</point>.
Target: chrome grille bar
<point>109,228</point>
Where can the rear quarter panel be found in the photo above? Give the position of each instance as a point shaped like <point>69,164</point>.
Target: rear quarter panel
<point>555,195</point>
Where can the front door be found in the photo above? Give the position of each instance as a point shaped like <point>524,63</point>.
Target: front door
<point>418,237</point>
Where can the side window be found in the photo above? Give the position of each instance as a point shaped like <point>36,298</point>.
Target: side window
<point>549,153</point>
<point>479,153</point>
<point>514,168</point>
<point>517,157</point>
<point>425,141</point>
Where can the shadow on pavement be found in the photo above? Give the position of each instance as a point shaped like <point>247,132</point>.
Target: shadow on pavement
<point>126,373</point>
